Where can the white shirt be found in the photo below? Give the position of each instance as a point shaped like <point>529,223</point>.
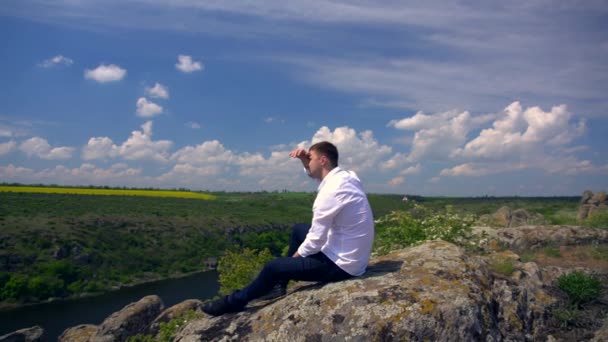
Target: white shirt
<point>342,223</point>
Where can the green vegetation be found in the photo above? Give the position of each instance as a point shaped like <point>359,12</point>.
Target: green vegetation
<point>401,229</point>
<point>580,287</point>
<point>167,330</point>
<point>238,269</point>
<point>504,266</point>
<point>58,245</point>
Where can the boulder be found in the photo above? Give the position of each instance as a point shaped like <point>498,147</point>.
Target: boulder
<point>175,311</point>
<point>33,334</point>
<point>502,217</point>
<point>133,319</point>
<point>433,291</point>
<point>592,205</point>
<point>79,333</point>
<point>587,195</point>
<point>537,236</point>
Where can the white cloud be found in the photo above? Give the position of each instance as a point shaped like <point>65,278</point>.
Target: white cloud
<point>105,73</point>
<point>147,109</point>
<point>360,152</point>
<point>187,65</point>
<point>13,172</point>
<point>83,175</point>
<point>57,60</point>
<point>412,170</point>
<point>437,136</point>
<point>158,91</point>
<point>7,147</point>
<point>396,181</point>
<point>193,125</point>
<point>99,148</point>
<point>40,148</point>
<point>519,132</point>
<point>139,146</point>
<point>209,152</point>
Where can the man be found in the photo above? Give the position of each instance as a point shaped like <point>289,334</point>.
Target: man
<point>336,246</point>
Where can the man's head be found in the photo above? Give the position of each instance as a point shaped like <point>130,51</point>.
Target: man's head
<point>323,158</point>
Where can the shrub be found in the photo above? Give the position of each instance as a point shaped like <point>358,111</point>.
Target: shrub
<point>236,270</point>
<point>400,229</point>
<point>579,287</point>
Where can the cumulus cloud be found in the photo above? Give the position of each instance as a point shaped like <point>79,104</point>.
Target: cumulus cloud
<point>40,148</point>
<point>86,173</point>
<point>13,172</point>
<point>523,132</point>
<point>147,109</point>
<point>7,147</point>
<point>437,136</point>
<point>105,73</point>
<point>187,64</point>
<point>360,152</point>
<point>55,61</point>
<point>396,181</point>
<point>158,91</point>
<point>139,146</point>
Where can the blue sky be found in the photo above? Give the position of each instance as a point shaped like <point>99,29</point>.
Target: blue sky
<point>462,98</point>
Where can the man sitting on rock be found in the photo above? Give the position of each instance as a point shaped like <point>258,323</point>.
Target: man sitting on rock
<point>336,246</point>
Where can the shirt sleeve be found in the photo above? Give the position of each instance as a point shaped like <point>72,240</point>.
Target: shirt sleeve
<point>324,212</point>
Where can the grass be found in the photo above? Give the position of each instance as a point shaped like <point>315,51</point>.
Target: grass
<point>504,266</point>
<point>580,287</point>
<point>106,192</point>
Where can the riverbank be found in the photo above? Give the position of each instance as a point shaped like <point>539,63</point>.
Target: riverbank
<point>13,306</point>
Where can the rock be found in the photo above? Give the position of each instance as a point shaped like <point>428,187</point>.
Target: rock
<point>587,195</point>
<point>79,333</point>
<point>521,217</point>
<point>599,197</point>
<point>175,311</point>
<point>583,211</point>
<point>505,217</point>
<point>429,292</point>
<point>592,205</point>
<point>132,319</point>
<point>502,217</point>
<point>33,334</point>
<point>536,236</point>
<point>602,334</point>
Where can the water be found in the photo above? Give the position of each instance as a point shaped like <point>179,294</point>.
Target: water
<point>55,317</point>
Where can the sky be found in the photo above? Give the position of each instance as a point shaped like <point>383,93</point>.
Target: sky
<point>434,98</point>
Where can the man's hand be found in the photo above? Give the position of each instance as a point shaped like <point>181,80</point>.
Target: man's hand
<point>296,255</point>
<point>301,154</point>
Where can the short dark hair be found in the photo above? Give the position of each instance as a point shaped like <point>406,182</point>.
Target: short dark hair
<point>327,149</point>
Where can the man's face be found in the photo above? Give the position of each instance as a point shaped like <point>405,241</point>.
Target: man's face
<point>316,164</point>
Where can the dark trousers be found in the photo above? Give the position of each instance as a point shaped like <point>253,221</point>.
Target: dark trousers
<point>316,267</point>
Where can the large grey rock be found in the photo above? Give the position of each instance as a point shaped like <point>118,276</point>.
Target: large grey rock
<point>33,334</point>
<point>536,236</point>
<point>133,319</point>
<point>79,333</point>
<point>430,292</point>
<point>175,311</point>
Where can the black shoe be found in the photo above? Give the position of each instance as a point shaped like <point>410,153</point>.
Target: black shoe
<point>220,306</point>
<point>277,291</point>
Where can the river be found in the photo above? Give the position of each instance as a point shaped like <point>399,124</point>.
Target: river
<point>56,316</point>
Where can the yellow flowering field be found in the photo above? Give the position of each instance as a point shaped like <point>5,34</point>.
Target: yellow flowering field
<point>106,192</point>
